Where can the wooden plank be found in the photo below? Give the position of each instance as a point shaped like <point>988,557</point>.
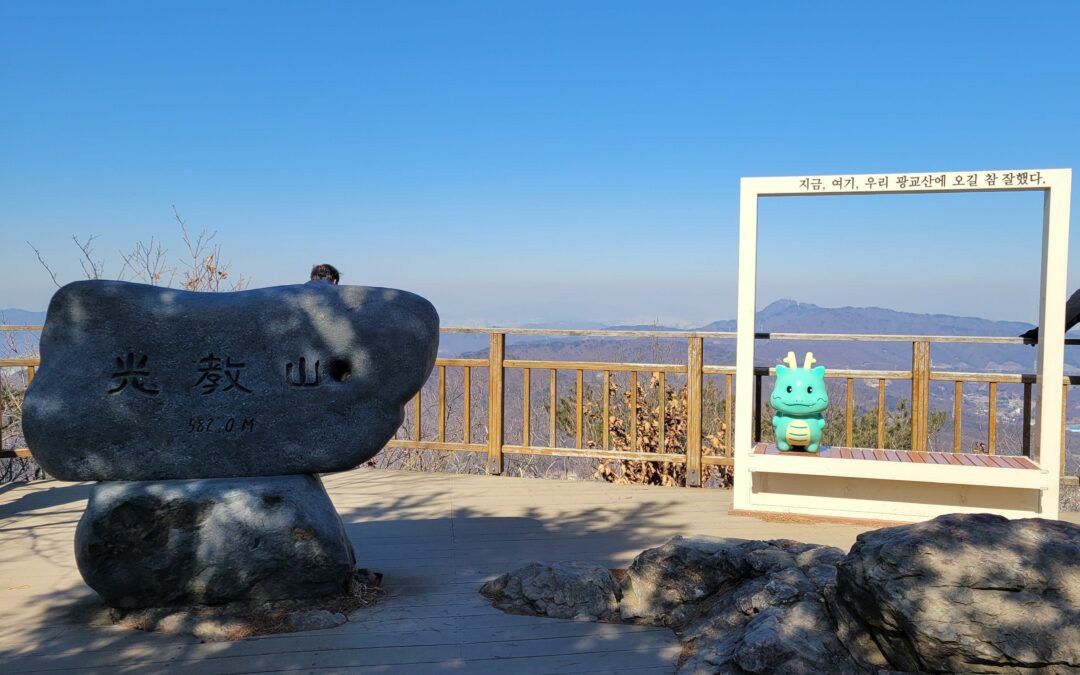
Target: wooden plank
<point>758,411</point>
<point>717,460</point>
<point>526,404</point>
<point>1025,442</point>
<point>578,416</point>
<point>1012,462</point>
<point>836,373</point>
<point>958,415</point>
<point>466,363</point>
<point>591,453</point>
<point>849,417</point>
<point>496,354</point>
<point>718,370</point>
<point>1026,463</point>
<point>417,429</point>
<point>991,436</point>
<point>1064,425</point>
<point>881,413</point>
<point>920,393</point>
<point>727,415</point>
<point>607,410</point>
<point>694,352</point>
<point>442,404</point>
<point>975,459</point>
<point>553,398</point>
<point>682,335</point>
<point>661,408</point>
<point>1009,378</point>
<point>633,411</point>
<point>436,445</point>
<point>466,410</point>
<point>598,366</point>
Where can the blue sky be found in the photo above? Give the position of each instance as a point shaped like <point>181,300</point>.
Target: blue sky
<point>545,161</point>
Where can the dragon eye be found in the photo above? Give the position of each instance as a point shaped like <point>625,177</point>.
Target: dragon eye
<point>809,390</point>
<point>789,390</point>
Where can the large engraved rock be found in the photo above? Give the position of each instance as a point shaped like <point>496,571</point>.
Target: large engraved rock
<point>141,383</point>
<point>210,541</point>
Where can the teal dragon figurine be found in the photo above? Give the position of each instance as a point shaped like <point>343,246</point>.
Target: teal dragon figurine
<point>799,398</point>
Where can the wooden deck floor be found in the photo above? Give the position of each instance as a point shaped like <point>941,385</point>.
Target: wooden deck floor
<point>867,454</point>
<point>436,538</point>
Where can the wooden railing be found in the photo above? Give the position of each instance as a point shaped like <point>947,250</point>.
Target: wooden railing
<point>500,441</point>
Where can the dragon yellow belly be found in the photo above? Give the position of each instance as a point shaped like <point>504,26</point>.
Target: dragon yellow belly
<point>798,433</point>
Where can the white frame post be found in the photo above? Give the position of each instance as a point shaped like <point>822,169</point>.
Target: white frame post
<point>1056,186</point>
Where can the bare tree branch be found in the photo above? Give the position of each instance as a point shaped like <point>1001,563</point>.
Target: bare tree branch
<point>44,264</point>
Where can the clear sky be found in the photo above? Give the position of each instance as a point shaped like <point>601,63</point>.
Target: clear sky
<point>541,161</point>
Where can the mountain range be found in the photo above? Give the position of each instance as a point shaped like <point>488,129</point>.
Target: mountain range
<point>780,316</point>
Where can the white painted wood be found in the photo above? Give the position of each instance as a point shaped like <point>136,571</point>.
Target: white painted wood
<point>1032,479</point>
<point>1051,357</point>
<point>1056,185</point>
<point>744,342</point>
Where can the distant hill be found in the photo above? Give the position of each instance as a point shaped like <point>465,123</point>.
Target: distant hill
<point>780,316</point>
<point>21,317</point>
<point>798,317</point>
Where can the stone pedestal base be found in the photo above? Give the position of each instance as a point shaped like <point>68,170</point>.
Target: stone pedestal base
<point>211,541</point>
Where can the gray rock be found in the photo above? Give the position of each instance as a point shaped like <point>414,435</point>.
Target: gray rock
<point>969,593</point>
<point>143,383</point>
<point>583,591</point>
<point>664,584</point>
<point>315,619</point>
<point>142,544</point>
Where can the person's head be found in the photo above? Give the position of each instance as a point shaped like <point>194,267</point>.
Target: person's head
<point>324,272</point>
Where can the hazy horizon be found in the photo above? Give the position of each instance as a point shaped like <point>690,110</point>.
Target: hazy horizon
<point>519,163</point>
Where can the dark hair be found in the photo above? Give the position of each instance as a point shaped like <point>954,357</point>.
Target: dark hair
<point>325,272</point>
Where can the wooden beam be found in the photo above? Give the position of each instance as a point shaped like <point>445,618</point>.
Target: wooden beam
<point>496,347</point>
<point>693,411</point>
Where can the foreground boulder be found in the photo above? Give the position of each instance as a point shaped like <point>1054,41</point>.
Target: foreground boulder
<point>958,594</point>
<point>664,584</point>
<point>143,383</point>
<point>969,593</point>
<point>568,590</point>
<point>144,544</point>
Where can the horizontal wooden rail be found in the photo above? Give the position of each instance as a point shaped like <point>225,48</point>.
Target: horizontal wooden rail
<point>596,365</point>
<point>568,427</point>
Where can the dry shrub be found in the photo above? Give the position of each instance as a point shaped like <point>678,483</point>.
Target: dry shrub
<point>647,439</point>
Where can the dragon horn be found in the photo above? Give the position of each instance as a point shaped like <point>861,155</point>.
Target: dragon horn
<point>791,360</point>
<point>810,361</point>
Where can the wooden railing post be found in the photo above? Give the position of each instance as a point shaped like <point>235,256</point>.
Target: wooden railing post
<point>496,355</point>
<point>920,394</point>
<point>693,411</point>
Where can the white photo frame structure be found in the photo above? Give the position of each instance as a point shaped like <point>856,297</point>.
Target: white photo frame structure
<point>1056,186</point>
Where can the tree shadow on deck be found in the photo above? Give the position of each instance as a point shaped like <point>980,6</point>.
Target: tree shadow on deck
<point>434,554</point>
<point>39,497</point>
